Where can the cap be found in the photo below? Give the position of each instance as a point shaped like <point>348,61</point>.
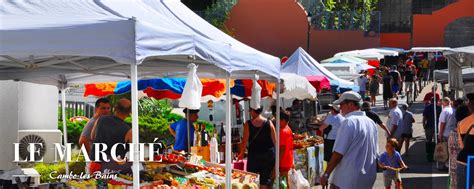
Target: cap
<point>349,95</point>
<point>191,111</point>
<point>336,107</point>
<point>365,105</point>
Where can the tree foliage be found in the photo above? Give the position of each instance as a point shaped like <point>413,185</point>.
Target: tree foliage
<point>218,13</point>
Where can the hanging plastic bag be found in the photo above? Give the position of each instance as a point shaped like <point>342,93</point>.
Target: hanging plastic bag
<point>301,182</point>
<point>441,152</point>
<point>256,94</point>
<point>191,97</point>
<point>292,178</point>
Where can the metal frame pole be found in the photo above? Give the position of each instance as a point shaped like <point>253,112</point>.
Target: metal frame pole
<point>277,142</point>
<point>63,114</point>
<point>228,141</point>
<point>135,134</point>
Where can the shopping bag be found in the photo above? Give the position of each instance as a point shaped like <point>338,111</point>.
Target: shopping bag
<point>441,152</point>
<point>292,178</point>
<point>301,182</point>
<point>239,164</point>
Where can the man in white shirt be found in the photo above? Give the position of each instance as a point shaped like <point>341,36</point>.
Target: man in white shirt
<point>447,121</point>
<point>332,123</point>
<point>395,119</point>
<point>362,82</point>
<point>353,162</point>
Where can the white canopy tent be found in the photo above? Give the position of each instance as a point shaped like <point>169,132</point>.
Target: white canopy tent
<point>302,64</point>
<point>63,42</point>
<point>459,58</point>
<point>366,54</point>
<point>295,86</point>
<point>344,59</point>
<point>182,15</point>
<point>428,49</point>
<point>347,71</point>
<point>442,76</point>
<point>384,51</point>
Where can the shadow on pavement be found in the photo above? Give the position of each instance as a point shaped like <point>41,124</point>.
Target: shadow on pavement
<point>416,159</point>
<point>417,107</point>
<point>425,182</point>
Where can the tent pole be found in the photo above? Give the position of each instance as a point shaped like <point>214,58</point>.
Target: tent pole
<point>188,124</point>
<point>277,151</point>
<point>63,114</point>
<point>228,141</point>
<point>135,134</point>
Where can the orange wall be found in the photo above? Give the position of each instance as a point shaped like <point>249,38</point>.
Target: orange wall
<point>397,40</point>
<point>327,43</point>
<point>428,30</point>
<point>279,27</point>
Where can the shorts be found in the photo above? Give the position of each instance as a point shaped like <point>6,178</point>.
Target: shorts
<point>409,85</point>
<point>387,179</point>
<point>395,88</point>
<point>328,146</point>
<point>262,163</point>
<point>407,135</point>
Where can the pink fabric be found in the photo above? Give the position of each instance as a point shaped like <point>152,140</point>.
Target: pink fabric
<point>319,82</point>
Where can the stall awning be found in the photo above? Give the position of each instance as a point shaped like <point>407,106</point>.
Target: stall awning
<point>170,88</point>
<point>295,86</point>
<point>366,54</point>
<point>429,49</point>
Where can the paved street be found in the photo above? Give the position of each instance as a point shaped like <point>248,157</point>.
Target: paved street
<point>421,174</point>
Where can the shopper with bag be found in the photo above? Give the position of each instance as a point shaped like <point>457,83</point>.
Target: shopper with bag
<point>447,121</point>
<point>353,163</point>
<point>260,135</point>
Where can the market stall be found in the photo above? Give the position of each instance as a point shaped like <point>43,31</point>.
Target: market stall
<point>175,170</point>
<point>301,63</point>
<point>111,39</point>
<point>368,54</point>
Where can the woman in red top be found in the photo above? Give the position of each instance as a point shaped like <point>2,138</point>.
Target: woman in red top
<point>286,145</point>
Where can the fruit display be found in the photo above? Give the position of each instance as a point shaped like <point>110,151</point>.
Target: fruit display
<point>170,158</point>
<point>86,184</point>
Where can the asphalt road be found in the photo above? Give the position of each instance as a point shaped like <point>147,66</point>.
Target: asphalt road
<point>421,174</point>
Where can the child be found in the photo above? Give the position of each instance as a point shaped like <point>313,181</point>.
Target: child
<point>392,163</point>
<point>286,145</point>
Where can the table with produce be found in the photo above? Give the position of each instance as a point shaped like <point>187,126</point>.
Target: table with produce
<point>308,156</point>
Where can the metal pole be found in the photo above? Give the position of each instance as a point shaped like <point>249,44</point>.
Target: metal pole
<point>63,114</point>
<point>228,142</point>
<point>188,125</point>
<point>277,151</point>
<point>135,134</point>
